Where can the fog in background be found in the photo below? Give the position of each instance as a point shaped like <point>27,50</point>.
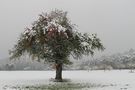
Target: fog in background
<point>112,20</point>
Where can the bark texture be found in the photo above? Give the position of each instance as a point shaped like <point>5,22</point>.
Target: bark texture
<point>58,72</point>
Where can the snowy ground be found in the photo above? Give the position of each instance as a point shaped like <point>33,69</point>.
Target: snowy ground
<point>109,80</point>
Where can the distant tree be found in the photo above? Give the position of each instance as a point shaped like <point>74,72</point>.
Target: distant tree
<point>54,39</point>
<point>9,66</point>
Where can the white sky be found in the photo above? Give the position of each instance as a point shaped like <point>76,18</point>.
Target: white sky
<point>112,20</point>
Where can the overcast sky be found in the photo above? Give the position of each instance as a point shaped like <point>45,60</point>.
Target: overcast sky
<point>112,20</point>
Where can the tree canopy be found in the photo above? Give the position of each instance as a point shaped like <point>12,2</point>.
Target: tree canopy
<point>53,38</point>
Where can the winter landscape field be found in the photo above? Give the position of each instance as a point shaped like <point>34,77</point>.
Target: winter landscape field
<point>67,45</point>
<point>76,80</point>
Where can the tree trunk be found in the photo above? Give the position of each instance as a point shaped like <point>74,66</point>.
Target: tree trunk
<point>58,77</point>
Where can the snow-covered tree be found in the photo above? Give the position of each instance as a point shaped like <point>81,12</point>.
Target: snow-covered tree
<point>54,39</point>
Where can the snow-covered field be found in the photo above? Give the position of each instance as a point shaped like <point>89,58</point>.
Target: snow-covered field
<point>109,80</point>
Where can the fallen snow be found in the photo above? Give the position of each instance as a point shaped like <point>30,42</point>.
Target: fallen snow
<point>112,80</point>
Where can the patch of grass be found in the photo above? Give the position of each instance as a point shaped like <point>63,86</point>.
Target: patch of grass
<point>58,86</point>
<point>63,80</point>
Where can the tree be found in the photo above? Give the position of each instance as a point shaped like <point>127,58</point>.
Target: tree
<point>53,38</point>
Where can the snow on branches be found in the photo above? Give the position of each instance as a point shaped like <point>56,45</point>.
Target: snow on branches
<point>49,25</point>
<point>53,37</point>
